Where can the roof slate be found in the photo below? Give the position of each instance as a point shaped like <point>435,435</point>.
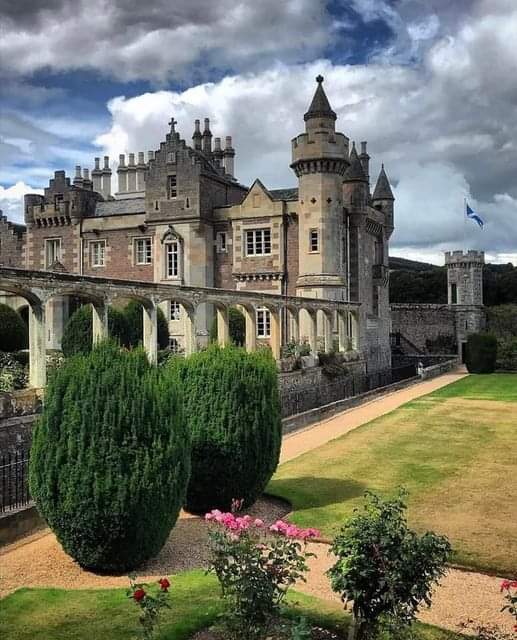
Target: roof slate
<point>119,207</point>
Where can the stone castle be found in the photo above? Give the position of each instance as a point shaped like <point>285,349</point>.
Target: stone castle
<point>180,216</point>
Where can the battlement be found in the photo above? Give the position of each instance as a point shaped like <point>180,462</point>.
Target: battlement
<point>462,257</point>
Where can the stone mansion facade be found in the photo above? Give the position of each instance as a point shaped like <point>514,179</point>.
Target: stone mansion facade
<point>180,216</point>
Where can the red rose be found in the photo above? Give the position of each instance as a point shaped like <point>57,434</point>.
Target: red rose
<point>164,584</point>
<point>139,595</point>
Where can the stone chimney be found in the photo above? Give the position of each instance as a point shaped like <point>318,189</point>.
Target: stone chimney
<point>207,138</point>
<point>228,157</point>
<point>78,180</point>
<point>97,176</point>
<point>122,174</point>
<point>87,183</point>
<point>106,178</point>
<point>131,173</point>
<point>196,136</point>
<point>141,168</point>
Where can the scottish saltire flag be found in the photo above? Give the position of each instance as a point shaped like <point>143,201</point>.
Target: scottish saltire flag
<point>473,215</point>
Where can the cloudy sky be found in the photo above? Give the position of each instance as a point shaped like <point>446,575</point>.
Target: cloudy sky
<point>431,84</point>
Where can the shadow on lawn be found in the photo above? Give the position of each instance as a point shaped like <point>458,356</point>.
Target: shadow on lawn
<point>309,492</point>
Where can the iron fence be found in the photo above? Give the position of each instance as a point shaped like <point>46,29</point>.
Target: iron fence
<point>14,480</point>
<point>341,388</point>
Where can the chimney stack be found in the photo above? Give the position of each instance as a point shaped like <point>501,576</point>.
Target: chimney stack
<point>131,173</point>
<point>106,179</point>
<point>196,136</point>
<point>97,176</point>
<point>78,180</point>
<point>228,157</point>
<point>207,138</point>
<point>141,168</point>
<point>150,156</point>
<point>122,174</point>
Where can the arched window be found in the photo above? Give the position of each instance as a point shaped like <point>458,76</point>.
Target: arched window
<point>172,256</point>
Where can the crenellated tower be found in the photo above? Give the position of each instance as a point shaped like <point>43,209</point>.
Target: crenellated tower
<point>319,160</point>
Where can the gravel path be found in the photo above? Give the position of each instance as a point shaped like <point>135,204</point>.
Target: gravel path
<point>39,561</point>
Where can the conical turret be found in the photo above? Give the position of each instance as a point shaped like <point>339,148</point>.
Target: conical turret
<point>355,171</point>
<point>382,188</point>
<point>320,105</point>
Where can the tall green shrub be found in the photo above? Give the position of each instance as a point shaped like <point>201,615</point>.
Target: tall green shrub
<point>481,354</point>
<point>233,410</point>
<point>110,458</point>
<point>78,331</point>
<point>135,321</point>
<point>14,333</point>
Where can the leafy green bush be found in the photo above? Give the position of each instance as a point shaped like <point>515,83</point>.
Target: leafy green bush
<point>236,326</point>
<point>233,411</point>
<point>15,333</point>
<point>135,321</point>
<point>13,375</point>
<point>110,458</point>
<point>78,331</point>
<point>481,354</point>
<point>384,567</point>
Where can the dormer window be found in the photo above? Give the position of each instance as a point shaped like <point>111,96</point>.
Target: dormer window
<point>172,187</point>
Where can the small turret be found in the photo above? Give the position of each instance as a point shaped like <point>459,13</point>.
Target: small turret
<point>355,183</point>
<point>197,136</point>
<point>365,160</point>
<point>383,199</point>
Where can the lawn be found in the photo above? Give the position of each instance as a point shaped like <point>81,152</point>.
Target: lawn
<point>58,614</point>
<point>454,450</point>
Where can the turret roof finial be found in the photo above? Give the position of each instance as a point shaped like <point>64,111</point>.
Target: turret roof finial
<point>320,106</point>
<point>173,124</point>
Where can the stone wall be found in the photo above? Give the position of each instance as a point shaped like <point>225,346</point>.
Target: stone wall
<point>18,411</point>
<point>12,240</point>
<point>421,323</point>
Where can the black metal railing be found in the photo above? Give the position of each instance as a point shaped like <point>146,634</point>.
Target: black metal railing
<point>341,388</point>
<point>14,480</point>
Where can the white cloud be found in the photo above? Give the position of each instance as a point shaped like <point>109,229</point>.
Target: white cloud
<point>11,200</point>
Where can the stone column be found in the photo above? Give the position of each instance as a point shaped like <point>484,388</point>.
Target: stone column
<point>37,346</point>
<point>99,321</point>
<point>251,328</point>
<point>190,332</point>
<point>354,326</point>
<point>313,325</point>
<point>327,330</point>
<point>294,325</point>
<point>150,331</point>
<point>56,314</point>
<point>341,330</point>
<point>223,326</point>
<point>274,340</point>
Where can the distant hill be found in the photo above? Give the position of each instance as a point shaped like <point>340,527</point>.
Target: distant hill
<point>410,265</point>
<point>422,282</point>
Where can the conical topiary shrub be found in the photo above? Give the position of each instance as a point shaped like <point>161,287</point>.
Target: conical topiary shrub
<point>232,406</point>
<point>110,458</point>
<point>77,334</point>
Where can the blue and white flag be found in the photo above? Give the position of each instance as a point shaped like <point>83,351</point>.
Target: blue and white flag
<point>473,215</point>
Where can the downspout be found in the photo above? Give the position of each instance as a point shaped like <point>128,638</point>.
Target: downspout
<point>284,279</point>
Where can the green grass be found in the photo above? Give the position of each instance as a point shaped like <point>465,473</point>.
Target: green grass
<point>492,386</point>
<point>455,452</point>
<point>58,614</point>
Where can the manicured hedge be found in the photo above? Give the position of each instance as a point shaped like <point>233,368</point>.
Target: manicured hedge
<point>481,353</point>
<point>14,333</point>
<point>77,334</point>
<point>110,459</point>
<point>232,407</point>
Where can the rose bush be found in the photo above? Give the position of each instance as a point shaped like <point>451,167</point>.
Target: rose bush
<point>255,565</point>
<point>151,602</point>
<point>509,588</point>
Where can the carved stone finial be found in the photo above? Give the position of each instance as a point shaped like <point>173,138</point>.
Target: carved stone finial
<point>319,79</point>
<point>173,124</point>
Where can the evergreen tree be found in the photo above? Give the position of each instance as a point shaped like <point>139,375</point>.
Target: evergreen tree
<point>14,334</point>
<point>232,407</point>
<point>78,331</point>
<point>110,458</point>
<point>135,321</point>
